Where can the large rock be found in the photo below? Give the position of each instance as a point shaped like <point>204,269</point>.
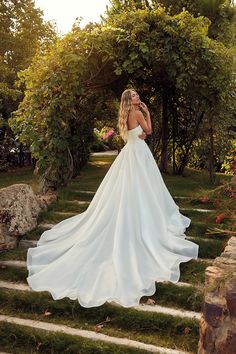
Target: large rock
<point>218,324</point>
<point>19,210</point>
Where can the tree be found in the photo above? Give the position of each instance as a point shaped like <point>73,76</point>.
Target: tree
<point>22,33</point>
<point>170,59</point>
<point>176,58</point>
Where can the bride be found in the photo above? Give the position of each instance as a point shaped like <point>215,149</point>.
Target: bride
<point>130,236</point>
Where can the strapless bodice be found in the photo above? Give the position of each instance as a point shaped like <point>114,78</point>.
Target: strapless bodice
<point>133,134</point>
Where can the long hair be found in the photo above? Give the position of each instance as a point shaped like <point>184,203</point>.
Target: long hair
<point>125,107</point>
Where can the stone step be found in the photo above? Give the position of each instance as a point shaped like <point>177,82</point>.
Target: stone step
<point>197,238</point>
<point>49,226</point>
<point>168,311</point>
<point>66,213</point>
<point>85,192</point>
<point>199,210</point>
<point>28,243</point>
<point>14,286</point>
<point>142,307</point>
<point>180,197</point>
<point>33,243</point>
<point>86,202</point>
<point>104,153</point>
<point>46,226</point>
<point>79,202</point>
<point>51,327</point>
<point>22,264</point>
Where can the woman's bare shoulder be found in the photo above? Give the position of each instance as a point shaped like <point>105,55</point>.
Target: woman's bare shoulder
<point>133,119</point>
<point>136,113</point>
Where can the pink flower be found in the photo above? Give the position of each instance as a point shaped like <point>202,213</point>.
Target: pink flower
<point>110,133</point>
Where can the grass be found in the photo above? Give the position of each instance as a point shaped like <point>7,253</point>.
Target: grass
<point>23,340</point>
<point>167,294</point>
<point>13,274</point>
<point>74,194</point>
<point>66,206</point>
<point>180,297</point>
<point>210,248</point>
<point>197,216</point>
<point>19,175</point>
<point>17,254</point>
<point>194,182</point>
<point>152,328</point>
<point>193,272</point>
<point>34,234</point>
<point>92,174</point>
<point>196,228</point>
<point>52,217</point>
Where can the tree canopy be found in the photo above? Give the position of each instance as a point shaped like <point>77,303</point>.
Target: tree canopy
<point>186,76</point>
<point>22,32</point>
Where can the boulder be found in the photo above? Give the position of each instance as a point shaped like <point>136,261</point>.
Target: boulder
<point>218,324</point>
<point>19,210</point>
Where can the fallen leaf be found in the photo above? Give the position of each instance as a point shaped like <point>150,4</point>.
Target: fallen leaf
<point>98,328</point>
<point>150,302</point>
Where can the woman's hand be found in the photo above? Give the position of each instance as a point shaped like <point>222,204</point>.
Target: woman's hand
<point>143,106</point>
<point>142,136</point>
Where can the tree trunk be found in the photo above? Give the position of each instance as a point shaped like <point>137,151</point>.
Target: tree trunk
<point>186,155</point>
<point>174,135</point>
<point>164,135</point>
<point>211,154</point>
<point>21,155</point>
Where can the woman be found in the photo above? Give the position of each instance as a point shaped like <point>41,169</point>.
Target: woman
<point>130,236</point>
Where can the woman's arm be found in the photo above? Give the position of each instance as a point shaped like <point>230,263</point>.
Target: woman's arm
<point>146,124</point>
<point>142,136</point>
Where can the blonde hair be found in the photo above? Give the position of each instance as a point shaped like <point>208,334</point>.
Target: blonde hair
<point>125,107</point>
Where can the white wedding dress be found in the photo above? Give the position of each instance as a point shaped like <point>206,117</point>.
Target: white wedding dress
<point>130,236</point>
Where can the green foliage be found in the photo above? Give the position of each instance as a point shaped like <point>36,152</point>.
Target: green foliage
<point>221,13</point>
<point>174,57</point>
<point>23,32</point>
<point>168,58</point>
<point>51,116</point>
<point>224,147</point>
<point>229,164</point>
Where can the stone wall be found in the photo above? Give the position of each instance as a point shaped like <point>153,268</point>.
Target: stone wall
<point>218,324</point>
<point>19,211</point>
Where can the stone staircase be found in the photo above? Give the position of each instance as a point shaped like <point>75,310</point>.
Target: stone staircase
<point>167,322</point>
